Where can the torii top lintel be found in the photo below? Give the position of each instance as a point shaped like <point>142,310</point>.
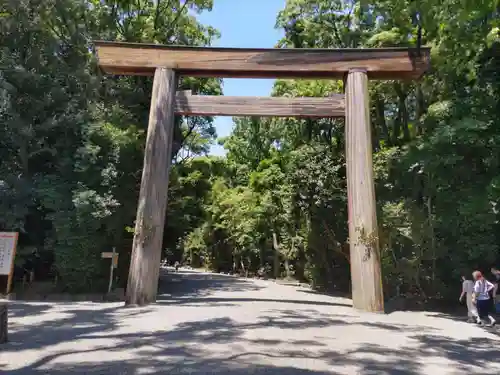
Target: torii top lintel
<point>142,59</point>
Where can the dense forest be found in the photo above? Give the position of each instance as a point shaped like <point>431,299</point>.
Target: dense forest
<point>72,140</point>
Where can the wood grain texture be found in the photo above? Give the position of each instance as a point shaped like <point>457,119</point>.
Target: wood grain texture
<point>148,237</point>
<point>143,59</point>
<point>367,293</point>
<point>205,105</point>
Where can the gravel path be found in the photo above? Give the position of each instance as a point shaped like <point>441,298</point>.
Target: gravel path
<point>216,324</point>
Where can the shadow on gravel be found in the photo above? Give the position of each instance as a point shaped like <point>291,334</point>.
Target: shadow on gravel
<point>191,284</point>
<point>186,349</point>
<point>68,324</point>
<point>321,293</point>
<point>153,367</point>
<point>19,309</point>
<point>441,310</point>
<point>228,301</point>
<point>225,346</point>
<point>193,288</point>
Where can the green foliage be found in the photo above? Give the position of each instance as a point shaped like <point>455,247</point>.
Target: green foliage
<point>435,162</point>
<point>71,150</point>
<point>72,141</point>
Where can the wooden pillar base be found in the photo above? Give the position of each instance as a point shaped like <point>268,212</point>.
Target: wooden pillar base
<point>4,320</point>
<point>148,237</point>
<point>367,293</point>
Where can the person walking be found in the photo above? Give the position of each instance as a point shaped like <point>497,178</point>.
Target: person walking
<point>468,291</point>
<point>482,298</point>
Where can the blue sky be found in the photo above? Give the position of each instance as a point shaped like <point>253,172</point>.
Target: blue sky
<point>243,23</point>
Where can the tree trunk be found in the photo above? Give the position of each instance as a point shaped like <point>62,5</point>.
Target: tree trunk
<point>403,111</point>
<point>249,266</point>
<point>420,110</point>
<point>366,278</point>
<point>380,118</point>
<point>432,237</point>
<point>287,268</point>
<point>148,236</point>
<point>3,322</point>
<point>276,256</point>
<point>243,268</point>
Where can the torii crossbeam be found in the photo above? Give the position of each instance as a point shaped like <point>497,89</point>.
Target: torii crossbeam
<point>166,63</point>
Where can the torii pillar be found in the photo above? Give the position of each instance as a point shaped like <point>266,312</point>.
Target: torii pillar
<point>145,261</point>
<point>367,292</point>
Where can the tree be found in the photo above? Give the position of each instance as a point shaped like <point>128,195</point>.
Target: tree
<point>72,140</point>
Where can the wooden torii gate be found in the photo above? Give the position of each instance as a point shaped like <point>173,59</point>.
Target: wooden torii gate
<point>167,63</point>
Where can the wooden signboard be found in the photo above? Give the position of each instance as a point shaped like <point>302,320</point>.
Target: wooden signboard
<point>113,256</point>
<point>114,264</point>
<point>8,244</point>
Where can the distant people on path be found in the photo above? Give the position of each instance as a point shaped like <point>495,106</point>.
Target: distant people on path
<point>177,265</point>
<point>467,292</point>
<point>482,298</point>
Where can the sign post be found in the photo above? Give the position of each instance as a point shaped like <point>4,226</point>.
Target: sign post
<point>114,264</point>
<point>8,244</point>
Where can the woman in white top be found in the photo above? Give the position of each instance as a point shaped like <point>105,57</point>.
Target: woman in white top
<point>482,298</point>
<point>467,291</point>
